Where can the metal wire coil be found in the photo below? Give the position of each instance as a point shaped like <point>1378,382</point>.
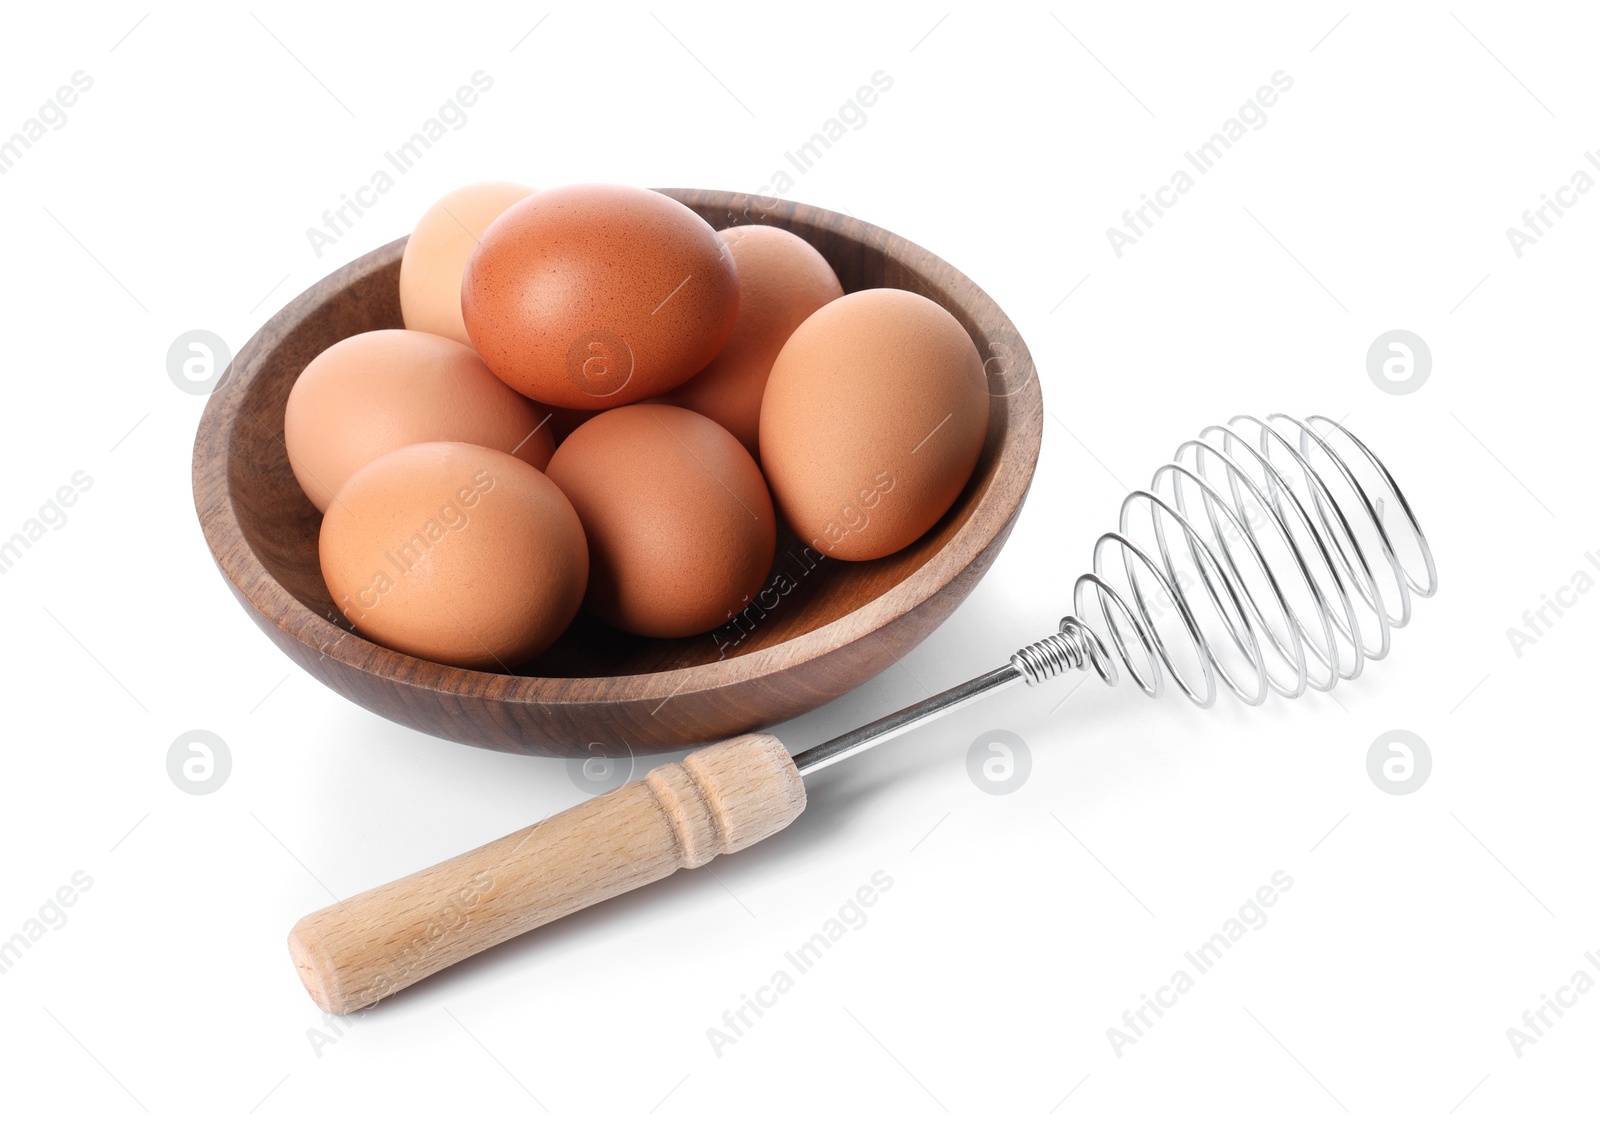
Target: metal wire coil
<point>1261,591</point>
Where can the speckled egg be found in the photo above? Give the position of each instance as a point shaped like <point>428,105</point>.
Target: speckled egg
<point>680,524</point>
<point>596,295</point>
<point>455,553</point>
<point>377,391</point>
<point>873,419</point>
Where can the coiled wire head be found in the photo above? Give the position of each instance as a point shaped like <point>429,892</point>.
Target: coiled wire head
<point>1261,556</point>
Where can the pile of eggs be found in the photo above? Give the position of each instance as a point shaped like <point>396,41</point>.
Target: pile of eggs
<point>703,384</point>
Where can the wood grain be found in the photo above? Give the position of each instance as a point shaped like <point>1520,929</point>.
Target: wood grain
<point>682,815</point>
<point>599,691</point>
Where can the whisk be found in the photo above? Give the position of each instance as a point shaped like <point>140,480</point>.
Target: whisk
<point>1261,555</point>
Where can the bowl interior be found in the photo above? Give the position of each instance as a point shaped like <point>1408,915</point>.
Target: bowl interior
<point>805,590</point>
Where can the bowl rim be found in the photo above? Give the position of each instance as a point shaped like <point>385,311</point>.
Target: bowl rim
<point>252,580</point>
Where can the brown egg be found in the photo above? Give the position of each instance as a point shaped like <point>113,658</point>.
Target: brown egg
<point>377,391</point>
<point>873,419</point>
<point>782,281</point>
<point>455,553</point>
<point>437,251</point>
<point>596,295</point>
<point>680,525</point>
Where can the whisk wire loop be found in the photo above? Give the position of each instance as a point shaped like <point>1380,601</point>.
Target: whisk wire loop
<point>1277,497</point>
<point>1269,518</point>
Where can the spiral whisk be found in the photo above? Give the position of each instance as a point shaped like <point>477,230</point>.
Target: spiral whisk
<point>1274,555</point>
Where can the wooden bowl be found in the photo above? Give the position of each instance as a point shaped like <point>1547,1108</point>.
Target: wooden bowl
<point>827,629</point>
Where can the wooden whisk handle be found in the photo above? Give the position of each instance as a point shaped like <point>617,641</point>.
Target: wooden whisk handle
<point>681,815</point>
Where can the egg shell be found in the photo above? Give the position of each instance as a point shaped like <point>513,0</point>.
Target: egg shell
<point>782,281</point>
<point>595,295</point>
<point>680,524</point>
<point>455,553</point>
<point>436,255</point>
<point>873,419</point>
<point>377,391</point>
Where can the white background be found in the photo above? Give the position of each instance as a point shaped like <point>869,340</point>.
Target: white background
<point>1018,928</point>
